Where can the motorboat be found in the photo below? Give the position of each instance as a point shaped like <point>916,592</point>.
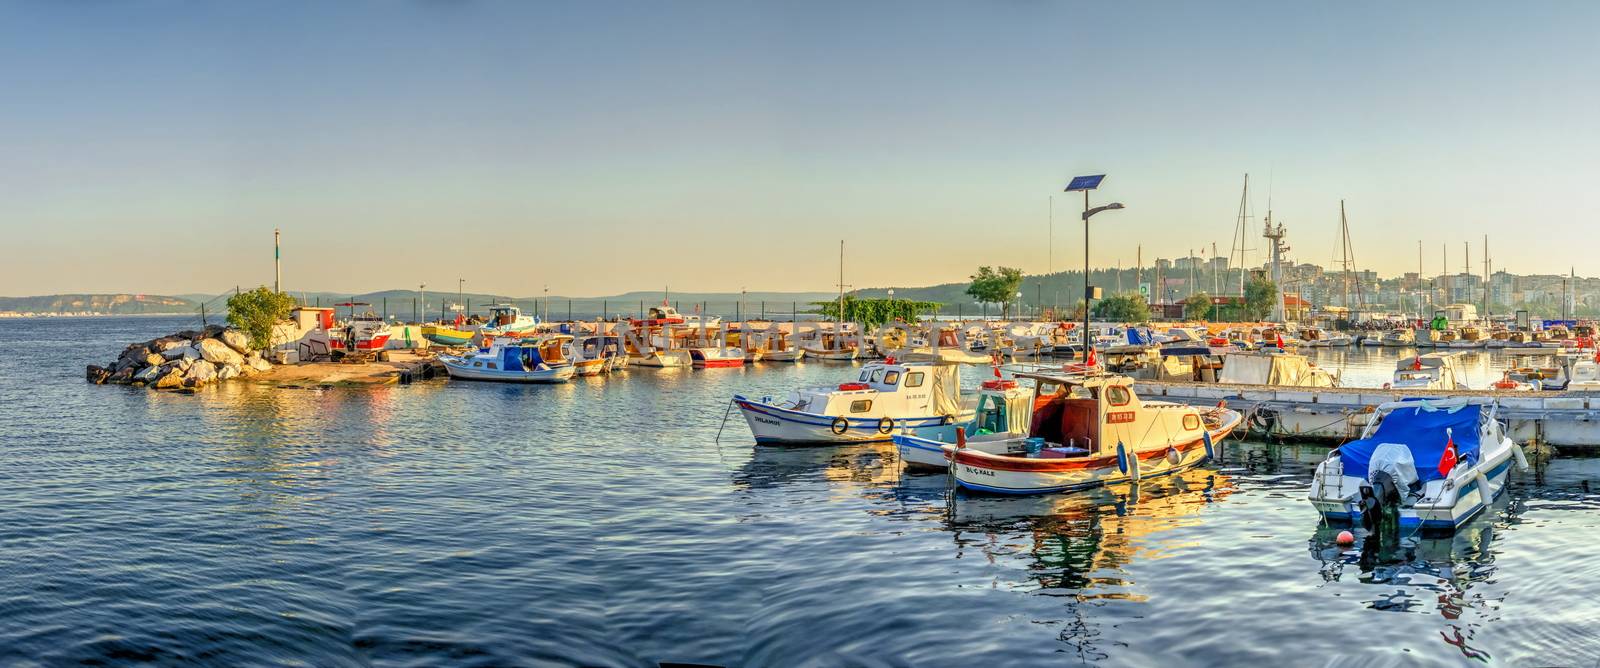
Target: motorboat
<point>364,333</point>
<point>1418,465</point>
<point>1004,410</point>
<point>595,354</point>
<point>539,359</point>
<point>1432,371</point>
<point>778,348</point>
<point>1317,337</point>
<point>508,320</point>
<point>886,397</point>
<point>1399,337</point>
<point>1087,431</point>
<point>1584,375</point>
<point>716,357</point>
<point>1498,338</point>
<point>1275,369</point>
<point>945,347</point>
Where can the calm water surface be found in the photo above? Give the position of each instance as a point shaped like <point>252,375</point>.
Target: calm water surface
<point>601,523</point>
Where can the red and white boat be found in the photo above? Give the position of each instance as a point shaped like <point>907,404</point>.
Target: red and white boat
<point>366,332</point>
<point>710,358</point>
<point>1087,431</point>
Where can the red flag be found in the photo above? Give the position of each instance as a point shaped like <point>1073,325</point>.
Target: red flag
<point>1280,341</point>
<point>1089,361</point>
<point>1447,461</point>
<point>1416,364</point>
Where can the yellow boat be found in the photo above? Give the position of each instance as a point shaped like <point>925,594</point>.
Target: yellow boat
<point>445,335</point>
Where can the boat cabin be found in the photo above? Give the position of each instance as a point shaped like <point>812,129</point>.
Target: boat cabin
<point>504,315</point>
<point>545,352</point>
<point>894,390</point>
<point>1078,416</point>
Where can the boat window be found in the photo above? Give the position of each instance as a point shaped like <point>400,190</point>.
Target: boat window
<point>891,377</point>
<point>877,375</point>
<point>866,375</point>
<point>1191,422</point>
<point>1117,396</point>
<point>861,406</point>
<point>477,364</point>
<point>914,379</point>
<point>492,366</point>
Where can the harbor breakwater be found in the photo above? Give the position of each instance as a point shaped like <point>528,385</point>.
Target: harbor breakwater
<point>185,360</point>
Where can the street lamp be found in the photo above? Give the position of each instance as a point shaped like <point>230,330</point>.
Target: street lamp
<point>1086,184</point>
<point>422,288</point>
<point>1019,304</point>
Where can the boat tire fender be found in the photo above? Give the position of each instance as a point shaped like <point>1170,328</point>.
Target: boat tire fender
<point>885,425</point>
<point>839,426</point>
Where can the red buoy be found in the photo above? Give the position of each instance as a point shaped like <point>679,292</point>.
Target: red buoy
<point>1346,538</point>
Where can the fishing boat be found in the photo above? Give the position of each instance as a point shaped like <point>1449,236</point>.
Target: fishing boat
<point>362,333</point>
<point>515,360</point>
<point>1087,431</point>
<point>831,345</point>
<point>1399,337</point>
<point>595,354</point>
<point>945,347</point>
<point>508,320</point>
<point>665,315</point>
<point>1529,343</point>
<point>1433,371</point>
<point>1418,465</point>
<point>778,348</point>
<point>887,396</point>
<point>1584,376</point>
<point>1470,337</point>
<point>716,357</point>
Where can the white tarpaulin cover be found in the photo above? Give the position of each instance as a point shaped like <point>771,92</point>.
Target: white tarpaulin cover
<point>1285,370</point>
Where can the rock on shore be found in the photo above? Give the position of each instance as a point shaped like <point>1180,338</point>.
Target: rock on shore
<point>184,360</point>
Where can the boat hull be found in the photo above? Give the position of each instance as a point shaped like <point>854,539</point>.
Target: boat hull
<point>592,367</point>
<point>791,355</point>
<point>560,374</point>
<point>996,474</point>
<point>777,425</point>
<point>447,336</point>
<point>1470,498</point>
<point>662,358</point>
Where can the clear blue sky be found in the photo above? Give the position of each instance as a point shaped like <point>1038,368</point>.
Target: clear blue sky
<point>601,147</point>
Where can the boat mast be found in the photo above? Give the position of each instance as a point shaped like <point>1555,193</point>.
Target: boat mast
<point>1241,233</point>
<point>1486,278</point>
<point>839,324</point>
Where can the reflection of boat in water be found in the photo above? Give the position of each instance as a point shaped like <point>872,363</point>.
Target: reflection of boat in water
<point>776,466</point>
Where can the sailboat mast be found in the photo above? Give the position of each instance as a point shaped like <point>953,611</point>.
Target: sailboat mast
<point>1344,241</point>
<point>1485,277</point>
<point>841,284</point>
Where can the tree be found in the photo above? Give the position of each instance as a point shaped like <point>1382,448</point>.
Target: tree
<point>1000,287</point>
<point>1123,308</point>
<point>256,311</point>
<point>872,313</point>
<point>1197,306</point>
<point>1259,296</point>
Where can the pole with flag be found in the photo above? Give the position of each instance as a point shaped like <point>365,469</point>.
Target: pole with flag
<point>1447,461</point>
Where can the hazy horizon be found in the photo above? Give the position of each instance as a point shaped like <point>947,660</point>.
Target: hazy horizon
<point>719,146</point>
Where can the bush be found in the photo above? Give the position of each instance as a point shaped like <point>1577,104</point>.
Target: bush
<point>256,311</point>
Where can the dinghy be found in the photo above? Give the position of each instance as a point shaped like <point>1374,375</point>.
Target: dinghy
<point>1418,465</point>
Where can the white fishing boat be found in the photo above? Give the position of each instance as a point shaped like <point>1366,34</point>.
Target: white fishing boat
<point>1400,337</point>
<point>1089,431</point>
<point>1469,337</point>
<point>948,350</point>
<point>1584,376</point>
<point>832,346</point>
<point>886,397</point>
<point>594,355</point>
<point>1433,371</point>
<point>716,357</point>
<point>779,348</point>
<point>513,360</point>
<point>1418,465</point>
<point>508,320</point>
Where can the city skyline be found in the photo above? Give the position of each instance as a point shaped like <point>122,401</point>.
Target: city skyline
<point>600,150</point>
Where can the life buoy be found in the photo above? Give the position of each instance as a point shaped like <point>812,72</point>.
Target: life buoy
<point>1173,456</point>
<point>885,425</point>
<point>839,426</point>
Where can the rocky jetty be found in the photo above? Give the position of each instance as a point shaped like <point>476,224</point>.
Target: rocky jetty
<point>185,360</point>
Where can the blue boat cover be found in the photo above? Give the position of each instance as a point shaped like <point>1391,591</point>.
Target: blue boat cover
<point>1138,336</point>
<point>1421,430</point>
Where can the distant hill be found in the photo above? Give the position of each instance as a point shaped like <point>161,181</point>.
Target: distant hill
<point>117,304</point>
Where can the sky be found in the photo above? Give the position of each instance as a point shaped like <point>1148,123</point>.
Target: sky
<point>596,148</point>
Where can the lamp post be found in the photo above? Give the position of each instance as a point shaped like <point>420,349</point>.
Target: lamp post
<point>423,288</point>
<point>1086,184</point>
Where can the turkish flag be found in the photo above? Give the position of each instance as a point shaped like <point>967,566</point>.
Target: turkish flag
<point>1447,461</point>
<point>1280,340</point>
<point>1089,361</point>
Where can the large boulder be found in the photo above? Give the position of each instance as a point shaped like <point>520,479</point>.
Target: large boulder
<point>227,372</point>
<point>184,351</point>
<point>154,359</point>
<point>171,378</point>
<point>212,331</point>
<point>166,343</point>
<point>200,373</point>
<point>257,363</point>
<point>217,352</point>
<point>236,340</point>
<point>122,376</point>
<point>147,374</point>
<point>96,374</point>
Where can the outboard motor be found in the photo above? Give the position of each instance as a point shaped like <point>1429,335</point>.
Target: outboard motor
<point>1380,506</point>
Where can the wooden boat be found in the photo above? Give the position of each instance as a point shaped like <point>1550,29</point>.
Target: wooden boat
<point>1418,464</point>
<point>1399,337</point>
<point>1004,410</point>
<point>778,348</point>
<point>832,346</point>
<point>1087,431</point>
<point>886,397</point>
<point>514,360</point>
<point>594,355</point>
<point>508,320</point>
<point>446,335</point>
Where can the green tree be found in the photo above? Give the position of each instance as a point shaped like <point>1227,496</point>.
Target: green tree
<point>256,311</point>
<point>996,286</point>
<point>1123,308</point>
<point>1197,306</point>
<point>1259,295</point>
<point>872,313</point>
